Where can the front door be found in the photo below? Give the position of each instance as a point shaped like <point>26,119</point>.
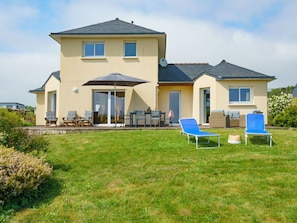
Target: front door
<point>174,106</point>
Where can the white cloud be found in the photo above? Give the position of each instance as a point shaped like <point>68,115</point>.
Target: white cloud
<point>23,72</point>
<point>262,37</point>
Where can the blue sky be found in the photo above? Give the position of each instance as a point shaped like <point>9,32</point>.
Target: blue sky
<point>257,34</point>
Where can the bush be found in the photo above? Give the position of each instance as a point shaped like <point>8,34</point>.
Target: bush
<point>20,173</point>
<point>9,120</point>
<point>13,136</point>
<point>287,118</point>
<point>277,105</point>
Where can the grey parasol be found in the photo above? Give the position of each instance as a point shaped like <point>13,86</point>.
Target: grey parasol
<point>115,79</point>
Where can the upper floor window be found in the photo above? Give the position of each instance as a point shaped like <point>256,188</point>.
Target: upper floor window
<point>239,95</point>
<point>130,49</point>
<point>93,49</point>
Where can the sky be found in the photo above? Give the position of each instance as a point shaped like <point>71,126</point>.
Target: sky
<point>259,35</point>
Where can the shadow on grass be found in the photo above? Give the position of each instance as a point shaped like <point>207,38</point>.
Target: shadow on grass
<point>205,143</point>
<point>259,140</point>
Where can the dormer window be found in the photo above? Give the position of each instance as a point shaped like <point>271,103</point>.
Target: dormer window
<point>93,49</point>
<point>130,49</point>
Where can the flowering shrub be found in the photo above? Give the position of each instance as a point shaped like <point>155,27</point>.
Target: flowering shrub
<point>277,105</point>
<point>20,173</point>
<point>287,118</point>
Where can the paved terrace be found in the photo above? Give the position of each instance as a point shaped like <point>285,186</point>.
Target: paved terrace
<point>42,130</point>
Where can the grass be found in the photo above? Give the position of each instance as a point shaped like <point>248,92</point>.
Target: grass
<point>155,176</point>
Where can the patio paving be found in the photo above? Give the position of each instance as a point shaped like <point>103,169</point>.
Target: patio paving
<point>42,130</point>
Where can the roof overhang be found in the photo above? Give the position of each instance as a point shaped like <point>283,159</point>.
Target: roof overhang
<point>37,91</point>
<point>167,83</point>
<point>245,79</point>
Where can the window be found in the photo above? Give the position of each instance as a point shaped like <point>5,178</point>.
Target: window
<point>239,95</point>
<point>93,49</point>
<point>130,49</point>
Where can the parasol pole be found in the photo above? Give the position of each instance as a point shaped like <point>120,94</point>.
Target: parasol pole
<point>115,105</point>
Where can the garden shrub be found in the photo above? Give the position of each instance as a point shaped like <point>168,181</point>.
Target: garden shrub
<point>277,105</point>
<point>18,138</point>
<point>9,120</point>
<point>20,173</point>
<point>287,118</point>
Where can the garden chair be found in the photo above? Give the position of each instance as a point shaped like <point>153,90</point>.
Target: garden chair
<point>218,119</point>
<point>50,118</point>
<point>155,116</point>
<point>140,115</point>
<point>71,119</point>
<point>255,126</point>
<point>88,119</point>
<point>190,128</point>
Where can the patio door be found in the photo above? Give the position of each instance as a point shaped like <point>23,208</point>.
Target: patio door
<point>52,101</point>
<point>205,105</point>
<point>174,105</point>
<point>106,112</point>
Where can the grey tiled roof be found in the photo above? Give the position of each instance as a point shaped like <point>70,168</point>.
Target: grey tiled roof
<point>182,73</point>
<point>55,74</point>
<point>225,70</point>
<point>113,27</point>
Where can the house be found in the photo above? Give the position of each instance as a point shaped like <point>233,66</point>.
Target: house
<point>189,90</point>
<point>12,105</point>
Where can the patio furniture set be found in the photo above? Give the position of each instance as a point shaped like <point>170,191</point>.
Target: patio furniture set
<point>136,118</point>
<point>72,119</point>
<point>157,118</point>
<point>228,119</point>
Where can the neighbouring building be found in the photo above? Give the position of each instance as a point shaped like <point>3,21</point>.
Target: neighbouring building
<point>12,105</point>
<point>188,89</point>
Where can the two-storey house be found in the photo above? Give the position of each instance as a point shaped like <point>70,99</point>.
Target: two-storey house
<point>189,90</point>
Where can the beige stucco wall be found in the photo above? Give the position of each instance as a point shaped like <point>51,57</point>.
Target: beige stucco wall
<point>202,83</point>
<point>42,100</point>
<point>186,96</point>
<point>258,96</point>
<point>219,95</point>
<point>40,108</point>
<point>53,85</point>
<point>76,70</point>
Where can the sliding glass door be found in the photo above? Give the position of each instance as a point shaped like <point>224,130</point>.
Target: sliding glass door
<point>108,109</point>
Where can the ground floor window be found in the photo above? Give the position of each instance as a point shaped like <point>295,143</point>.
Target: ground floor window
<point>108,109</point>
<point>239,95</point>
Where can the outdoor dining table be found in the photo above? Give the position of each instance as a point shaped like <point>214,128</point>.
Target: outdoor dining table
<point>148,114</point>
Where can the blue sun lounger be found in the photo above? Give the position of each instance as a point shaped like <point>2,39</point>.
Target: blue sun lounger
<point>190,128</point>
<point>255,126</point>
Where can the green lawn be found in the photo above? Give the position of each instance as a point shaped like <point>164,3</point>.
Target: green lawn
<point>155,176</point>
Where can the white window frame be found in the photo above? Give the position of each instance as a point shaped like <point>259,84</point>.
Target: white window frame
<point>129,42</point>
<point>94,53</point>
<point>239,96</point>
